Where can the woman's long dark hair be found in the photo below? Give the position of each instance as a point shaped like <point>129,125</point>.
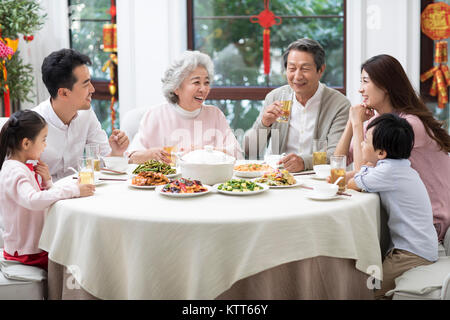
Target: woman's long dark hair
<point>388,74</point>
<point>22,124</point>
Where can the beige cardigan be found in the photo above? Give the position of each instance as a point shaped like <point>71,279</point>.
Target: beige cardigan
<point>332,118</point>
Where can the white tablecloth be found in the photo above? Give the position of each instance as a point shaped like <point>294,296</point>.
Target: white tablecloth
<point>125,243</point>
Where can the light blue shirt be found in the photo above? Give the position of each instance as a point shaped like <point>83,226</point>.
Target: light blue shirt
<point>407,204</point>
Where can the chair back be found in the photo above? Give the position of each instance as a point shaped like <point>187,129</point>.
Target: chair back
<point>3,121</point>
<point>131,121</point>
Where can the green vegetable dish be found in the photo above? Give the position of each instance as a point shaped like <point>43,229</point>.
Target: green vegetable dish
<point>239,185</point>
<point>154,166</point>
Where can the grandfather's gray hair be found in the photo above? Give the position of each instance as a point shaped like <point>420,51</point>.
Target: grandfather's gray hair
<point>181,68</point>
<point>307,45</point>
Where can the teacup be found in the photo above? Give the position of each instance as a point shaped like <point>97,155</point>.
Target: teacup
<point>322,170</point>
<point>326,190</point>
<point>116,163</point>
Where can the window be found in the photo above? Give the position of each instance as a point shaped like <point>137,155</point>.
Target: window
<point>86,36</point>
<point>222,29</point>
<point>426,63</point>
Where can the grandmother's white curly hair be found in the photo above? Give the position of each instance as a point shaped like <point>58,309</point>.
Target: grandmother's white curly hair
<point>181,68</point>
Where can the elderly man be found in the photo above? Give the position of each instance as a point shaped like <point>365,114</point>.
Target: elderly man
<point>71,122</point>
<point>317,112</point>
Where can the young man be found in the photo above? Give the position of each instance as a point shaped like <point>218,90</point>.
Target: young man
<point>317,112</point>
<point>71,122</point>
<point>387,146</point>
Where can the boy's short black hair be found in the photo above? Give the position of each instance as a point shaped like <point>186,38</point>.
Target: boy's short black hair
<point>393,135</point>
<point>57,69</point>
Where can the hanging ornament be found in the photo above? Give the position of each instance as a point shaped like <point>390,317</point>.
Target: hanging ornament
<point>28,38</point>
<point>110,45</point>
<point>6,52</point>
<point>435,20</point>
<point>266,19</point>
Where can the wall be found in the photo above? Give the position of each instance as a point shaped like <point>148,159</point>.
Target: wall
<point>382,27</point>
<point>150,35</point>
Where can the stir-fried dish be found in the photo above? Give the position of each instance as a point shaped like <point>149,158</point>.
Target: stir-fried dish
<point>149,178</point>
<point>154,166</point>
<point>277,178</point>
<point>184,186</point>
<point>253,167</point>
<point>239,185</point>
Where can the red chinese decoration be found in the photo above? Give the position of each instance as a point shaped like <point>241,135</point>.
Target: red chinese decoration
<point>6,52</point>
<point>436,25</point>
<point>110,45</point>
<point>266,19</point>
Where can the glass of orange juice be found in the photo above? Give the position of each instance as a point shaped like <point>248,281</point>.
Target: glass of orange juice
<point>286,102</point>
<point>92,151</point>
<point>171,147</point>
<point>319,151</point>
<point>85,170</point>
<point>338,165</point>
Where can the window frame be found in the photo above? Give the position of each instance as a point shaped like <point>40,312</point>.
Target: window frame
<point>101,86</point>
<point>259,92</point>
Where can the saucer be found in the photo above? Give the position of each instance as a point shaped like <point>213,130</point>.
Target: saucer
<point>315,196</point>
<point>314,176</point>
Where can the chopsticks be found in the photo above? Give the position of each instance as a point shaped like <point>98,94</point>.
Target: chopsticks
<point>306,173</point>
<point>340,193</point>
<point>106,179</point>
<point>113,171</point>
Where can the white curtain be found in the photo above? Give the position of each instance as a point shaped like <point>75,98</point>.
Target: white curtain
<point>53,36</point>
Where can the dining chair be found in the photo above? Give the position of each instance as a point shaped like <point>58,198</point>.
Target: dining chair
<point>430,282</point>
<point>21,282</point>
<point>131,121</point>
<point>3,121</point>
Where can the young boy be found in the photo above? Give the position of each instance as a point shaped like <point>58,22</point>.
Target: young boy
<point>388,144</point>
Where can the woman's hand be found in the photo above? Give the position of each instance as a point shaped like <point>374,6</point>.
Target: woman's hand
<point>150,154</point>
<point>360,113</point>
<point>42,169</point>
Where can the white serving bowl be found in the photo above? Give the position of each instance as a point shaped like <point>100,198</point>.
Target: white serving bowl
<point>326,190</point>
<point>116,163</point>
<point>322,170</point>
<point>207,165</point>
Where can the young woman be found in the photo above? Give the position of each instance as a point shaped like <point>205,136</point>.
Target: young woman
<point>385,88</point>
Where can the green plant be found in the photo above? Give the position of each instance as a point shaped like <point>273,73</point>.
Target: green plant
<point>19,17</point>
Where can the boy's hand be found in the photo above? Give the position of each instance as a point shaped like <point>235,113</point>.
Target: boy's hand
<point>42,169</point>
<point>86,190</point>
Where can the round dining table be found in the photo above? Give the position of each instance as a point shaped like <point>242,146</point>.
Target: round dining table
<point>129,243</point>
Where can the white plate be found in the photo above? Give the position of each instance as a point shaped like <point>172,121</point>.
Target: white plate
<point>314,176</point>
<point>248,174</point>
<point>173,175</point>
<point>247,193</point>
<point>296,184</point>
<point>112,173</point>
<point>142,187</point>
<point>315,196</point>
<point>183,195</point>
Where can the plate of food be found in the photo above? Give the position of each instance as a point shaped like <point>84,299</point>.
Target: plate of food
<point>240,187</point>
<point>279,179</point>
<point>148,180</point>
<point>251,170</point>
<point>183,188</point>
<point>156,166</point>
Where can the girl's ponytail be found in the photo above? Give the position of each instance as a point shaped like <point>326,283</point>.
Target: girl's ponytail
<point>22,124</point>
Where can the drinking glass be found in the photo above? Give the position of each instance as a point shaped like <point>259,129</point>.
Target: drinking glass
<point>319,151</point>
<point>85,170</point>
<point>92,151</point>
<point>338,165</point>
<point>286,101</point>
<point>171,147</point>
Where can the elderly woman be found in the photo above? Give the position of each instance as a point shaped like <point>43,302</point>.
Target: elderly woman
<point>185,122</point>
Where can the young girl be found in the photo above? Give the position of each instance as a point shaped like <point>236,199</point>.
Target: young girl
<point>23,203</point>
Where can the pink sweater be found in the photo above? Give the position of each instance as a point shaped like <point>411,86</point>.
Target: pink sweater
<point>209,127</point>
<point>433,166</point>
<point>23,206</point>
